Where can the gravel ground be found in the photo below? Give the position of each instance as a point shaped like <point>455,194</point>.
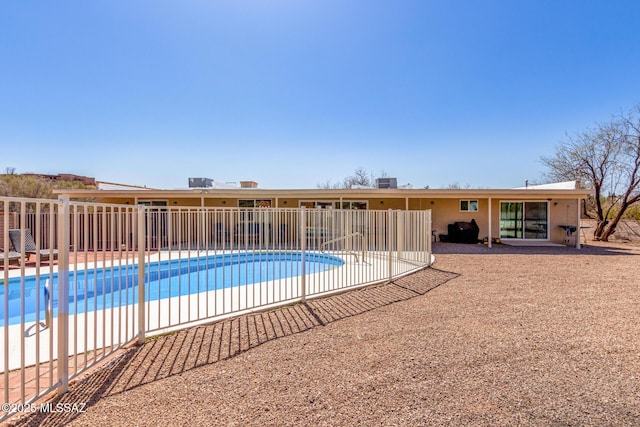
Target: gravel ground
<point>502,336</point>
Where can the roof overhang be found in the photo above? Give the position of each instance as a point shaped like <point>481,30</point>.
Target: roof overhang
<point>329,193</point>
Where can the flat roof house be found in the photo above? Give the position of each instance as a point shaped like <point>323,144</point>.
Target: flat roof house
<point>536,214</point>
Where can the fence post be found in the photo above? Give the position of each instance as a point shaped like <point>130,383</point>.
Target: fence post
<point>389,243</point>
<point>428,237</point>
<point>63,294</point>
<point>5,238</point>
<point>302,220</point>
<point>400,235</point>
<point>141,271</point>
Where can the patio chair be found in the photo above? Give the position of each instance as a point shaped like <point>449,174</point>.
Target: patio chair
<point>30,245</point>
<point>13,257</point>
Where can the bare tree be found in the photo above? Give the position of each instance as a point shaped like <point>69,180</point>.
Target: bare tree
<point>629,167</point>
<point>328,185</point>
<point>607,158</point>
<point>457,186</point>
<point>361,177</point>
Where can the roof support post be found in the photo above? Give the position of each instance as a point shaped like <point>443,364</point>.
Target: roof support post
<point>578,223</point>
<point>489,221</point>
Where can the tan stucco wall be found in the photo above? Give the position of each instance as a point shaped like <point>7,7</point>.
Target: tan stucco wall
<point>447,211</point>
<point>384,204</point>
<point>117,200</point>
<point>286,202</point>
<point>564,213</point>
<point>221,203</point>
<point>420,204</point>
<point>444,210</point>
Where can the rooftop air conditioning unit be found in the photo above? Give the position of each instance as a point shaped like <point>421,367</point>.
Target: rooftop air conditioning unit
<point>386,182</point>
<point>200,182</point>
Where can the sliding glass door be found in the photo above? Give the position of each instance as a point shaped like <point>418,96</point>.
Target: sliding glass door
<point>524,220</point>
<point>511,220</point>
<point>535,220</point>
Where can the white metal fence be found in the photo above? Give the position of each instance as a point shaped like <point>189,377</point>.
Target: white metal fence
<point>195,265</point>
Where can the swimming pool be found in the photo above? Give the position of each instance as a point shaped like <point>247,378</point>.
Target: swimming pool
<point>110,287</point>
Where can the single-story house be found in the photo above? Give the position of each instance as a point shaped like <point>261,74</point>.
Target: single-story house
<point>536,214</point>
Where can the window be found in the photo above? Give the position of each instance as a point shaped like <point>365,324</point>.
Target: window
<point>250,205</point>
<point>153,203</point>
<point>156,222</point>
<point>355,205</point>
<point>254,203</point>
<point>468,206</point>
<point>334,204</point>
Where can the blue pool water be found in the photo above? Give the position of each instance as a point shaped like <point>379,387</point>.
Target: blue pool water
<point>95,289</point>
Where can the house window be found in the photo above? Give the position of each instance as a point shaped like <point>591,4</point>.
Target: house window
<point>334,204</point>
<point>156,222</point>
<point>153,203</point>
<point>468,206</point>
<point>254,203</point>
<point>318,204</point>
<point>355,205</point>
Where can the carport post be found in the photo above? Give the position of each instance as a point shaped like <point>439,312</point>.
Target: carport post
<point>490,220</point>
<point>578,224</point>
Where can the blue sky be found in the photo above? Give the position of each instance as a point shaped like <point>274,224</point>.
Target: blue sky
<point>293,93</point>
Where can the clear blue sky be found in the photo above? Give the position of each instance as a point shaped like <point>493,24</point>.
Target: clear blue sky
<point>292,93</point>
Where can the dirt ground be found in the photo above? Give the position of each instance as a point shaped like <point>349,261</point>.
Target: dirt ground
<point>501,336</point>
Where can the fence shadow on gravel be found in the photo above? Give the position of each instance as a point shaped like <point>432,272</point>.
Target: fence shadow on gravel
<point>172,354</point>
